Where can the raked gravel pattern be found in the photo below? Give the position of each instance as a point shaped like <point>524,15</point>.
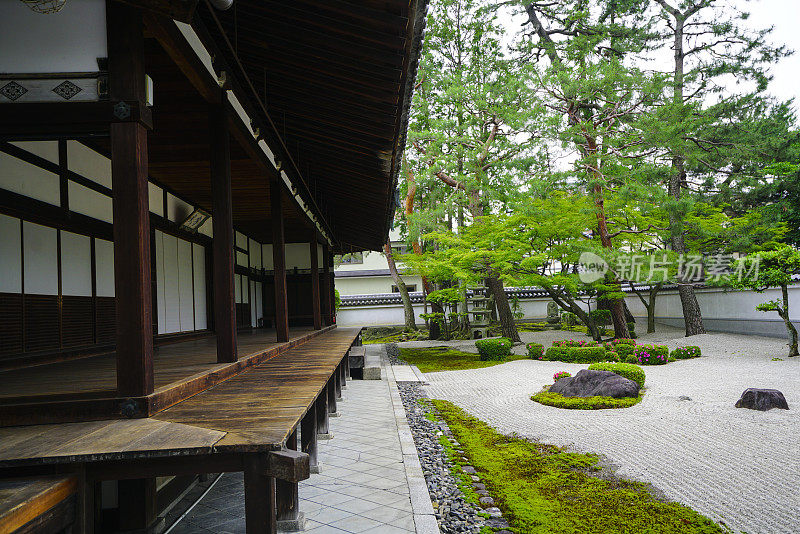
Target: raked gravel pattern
<point>735,466</point>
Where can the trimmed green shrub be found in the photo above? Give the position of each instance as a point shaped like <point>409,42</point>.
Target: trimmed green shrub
<point>535,351</point>
<point>584,403</point>
<point>559,375</point>
<point>569,319</point>
<point>494,349</point>
<point>629,371</point>
<point>624,350</point>
<point>612,356</point>
<point>630,358</point>
<point>556,354</point>
<point>585,354</point>
<point>651,354</point>
<point>574,343</point>
<point>684,353</point>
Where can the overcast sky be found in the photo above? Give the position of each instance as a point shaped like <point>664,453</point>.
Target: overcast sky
<point>784,15</point>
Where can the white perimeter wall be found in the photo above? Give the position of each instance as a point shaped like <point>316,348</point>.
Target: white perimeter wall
<point>731,311</point>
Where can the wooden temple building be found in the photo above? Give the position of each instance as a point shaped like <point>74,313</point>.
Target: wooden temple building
<point>175,178</point>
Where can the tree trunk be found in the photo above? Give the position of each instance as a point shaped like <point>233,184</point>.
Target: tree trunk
<point>504,313</point>
<point>692,316</point>
<point>408,309</point>
<point>651,309</point>
<point>784,313</point>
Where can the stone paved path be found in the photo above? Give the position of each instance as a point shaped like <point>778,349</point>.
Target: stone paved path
<point>737,466</point>
<point>363,486</point>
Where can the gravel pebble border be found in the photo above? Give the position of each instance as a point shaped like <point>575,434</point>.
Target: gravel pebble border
<point>454,514</point>
<point>393,353</point>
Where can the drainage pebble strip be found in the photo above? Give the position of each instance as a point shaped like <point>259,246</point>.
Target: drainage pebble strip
<point>454,513</point>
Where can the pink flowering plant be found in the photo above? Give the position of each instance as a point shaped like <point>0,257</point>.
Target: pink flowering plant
<point>574,343</point>
<point>561,374</point>
<point>651,354</point>
<point>535,351</point>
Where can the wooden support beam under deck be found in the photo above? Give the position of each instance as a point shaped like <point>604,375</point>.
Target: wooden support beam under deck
<point>222,221</point>
<point>315,300</point>
<point>279,260</point>
<point>131,206</point>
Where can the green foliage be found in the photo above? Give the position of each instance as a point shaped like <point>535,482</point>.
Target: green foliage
<point>543,489</point>
<point>494,349</point>
<point>574,343</point>
<point>601,317</point>
<point>632,329</point>
<point>535,351</point>
<point>556,354</point>
<point>337,299</point>
<point>629,371</point>
<point>569,319</point>
<point>624,349</point>
<point>584,403</point>
<point>684,353</point>
<point>586,354</point>
<point>651,354</point>
<point>432,359</point>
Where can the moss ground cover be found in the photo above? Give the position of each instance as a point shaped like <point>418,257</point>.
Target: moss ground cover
<point>584,403</point>
<point>544,489</point>
<point>446,359</point>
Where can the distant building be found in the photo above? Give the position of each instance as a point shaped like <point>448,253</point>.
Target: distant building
<point>367,273</point>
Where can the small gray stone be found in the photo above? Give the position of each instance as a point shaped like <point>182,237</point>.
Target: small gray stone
<point>479,486</point>
<point>486,501</point>
<point>468,469</point>
<point>475,478</point>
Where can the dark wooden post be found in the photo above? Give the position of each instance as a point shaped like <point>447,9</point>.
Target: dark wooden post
<point>222,221</point>
<point>287,497</point>
<point>321,404</point>
<point>138,510</point>
<point>259,496</point>
<point>315,301</point>
<point>326,286</point>
<point>279,261</point>
<point>308,437</point>
<point>330,390</point>
<point>130,203</point>
<point>337,381</point>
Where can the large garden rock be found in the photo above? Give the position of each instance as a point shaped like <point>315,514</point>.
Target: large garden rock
<point>762,399</point>
<point>596,383</point>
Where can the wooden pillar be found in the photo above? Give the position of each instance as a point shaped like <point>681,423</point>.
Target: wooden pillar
<point>287,497</point>
<point>138,510</point>
<point>315,301</point>
<point>337,381</point>
<point>132,276</point>
<point>308,437</point>
<point>330,390</point>
<point>259,496</point>
<point>326,285</point>
<point>279,261</point>
<point>321,405</point>
<point>223,244</point>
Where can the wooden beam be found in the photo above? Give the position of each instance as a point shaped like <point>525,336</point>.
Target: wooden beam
<point>131,206</point>
<point>279,260</point>
<point>184,56</point>
<point>287,497</point>
<point>315,302</point>
<point>222,221</point>
<point>259,496</point>
<point>308,437</point>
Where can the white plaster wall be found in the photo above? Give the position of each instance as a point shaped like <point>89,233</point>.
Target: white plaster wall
<point>88,163</point>
<point>76,265</point>
<point>68,41</point>
<point>375,315</point>
<point>199,273</point>
<point>298,255</point>
<point>29,180</point>
<point>370,285</point>
<point>10,255</point>
<point>91,203</point>
<point>40,246</point>
<point>104,267</point>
